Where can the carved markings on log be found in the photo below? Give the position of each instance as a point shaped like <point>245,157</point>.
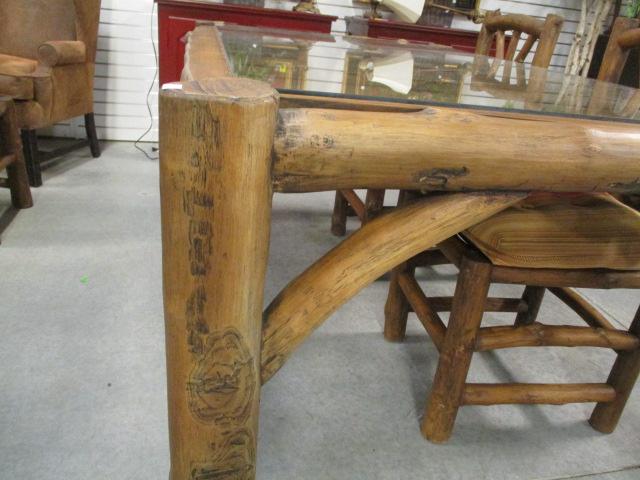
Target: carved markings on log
<point>231,459</point>
<point>221,385</point>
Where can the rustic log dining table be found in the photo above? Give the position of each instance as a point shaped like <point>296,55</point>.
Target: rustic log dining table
<point>347,113</point>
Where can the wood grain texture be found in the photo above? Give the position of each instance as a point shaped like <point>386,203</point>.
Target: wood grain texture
<point>370,252</point>
<point>564,232</point>
<point>317,149</point>
<point>550,394</point>
<point>216,206</point>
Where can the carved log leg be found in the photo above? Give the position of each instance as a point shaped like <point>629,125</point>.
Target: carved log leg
<point>532,296</point>
<point>216,141</point>
<point>622,378</point>
<point>455,355</point>
<point>339,217</point>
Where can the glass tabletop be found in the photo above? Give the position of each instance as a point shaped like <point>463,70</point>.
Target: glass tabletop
<point>344,66</point>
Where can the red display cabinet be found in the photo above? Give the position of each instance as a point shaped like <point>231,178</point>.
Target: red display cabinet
<point>177,17</point>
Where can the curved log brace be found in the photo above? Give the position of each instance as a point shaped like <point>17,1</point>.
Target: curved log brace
<point>370,252</point>
<point>319,150</point>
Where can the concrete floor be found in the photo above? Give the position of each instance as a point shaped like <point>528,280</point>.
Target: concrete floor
<point>82,374</point>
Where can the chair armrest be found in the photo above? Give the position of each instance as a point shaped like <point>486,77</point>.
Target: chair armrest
<point>56,53</point>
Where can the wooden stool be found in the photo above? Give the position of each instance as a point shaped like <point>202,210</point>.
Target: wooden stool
<point>11,157</point>
<point>481,261</point>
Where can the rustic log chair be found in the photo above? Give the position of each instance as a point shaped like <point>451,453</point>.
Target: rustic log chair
<point>544,32</point>
<point>527,245</point>
<point>47,64</point>
<point>11,157</point>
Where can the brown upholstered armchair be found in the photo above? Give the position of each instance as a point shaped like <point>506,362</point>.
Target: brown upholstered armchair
<point>47,63</point>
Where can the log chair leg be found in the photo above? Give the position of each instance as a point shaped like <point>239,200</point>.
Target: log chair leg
<point>458,347</point>
<point>622,378</point>
<point>373,204</point>
<point>216,196</point>
<point>339,217</point>
<point>396,309</point>
<point>92,134</point>
<point>18,178</point>
<point>532,296</point>
<point>31,156</point>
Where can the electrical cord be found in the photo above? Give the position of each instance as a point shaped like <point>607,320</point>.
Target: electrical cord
<point>153,82</point>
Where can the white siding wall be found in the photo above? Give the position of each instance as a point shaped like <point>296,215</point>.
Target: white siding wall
<point>126,63</point>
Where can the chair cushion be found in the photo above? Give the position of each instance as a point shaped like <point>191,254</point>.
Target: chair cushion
<point>562,231</point>
<point>14,80</point>
<point>16,66</point>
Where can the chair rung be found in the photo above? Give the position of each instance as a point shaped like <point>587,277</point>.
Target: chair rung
<point>492,304</point>
<point>536,393</point>
<point>420,304</point>
<point>539,335</point>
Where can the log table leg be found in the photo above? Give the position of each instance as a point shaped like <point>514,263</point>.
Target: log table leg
<point>216,140</point>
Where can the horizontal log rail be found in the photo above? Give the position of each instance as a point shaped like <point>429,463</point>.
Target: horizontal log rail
<point>531,393</point>
<point>492,304</point>
<point>514,21</point>
<point>370,252</point>
<point>539,335</point>
<point>318,149</point>
<point>548,277</point>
